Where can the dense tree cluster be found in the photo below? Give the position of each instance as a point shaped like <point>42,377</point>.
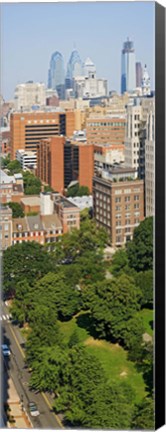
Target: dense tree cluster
<point>48,287</point>
<point>77,190</point>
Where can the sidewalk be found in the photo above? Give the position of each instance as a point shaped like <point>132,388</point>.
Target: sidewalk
<point>22,420</point>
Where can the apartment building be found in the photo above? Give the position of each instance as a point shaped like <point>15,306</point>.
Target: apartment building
<point>68,213</point>
<point>150,164</point>
<point>50,162</point>
<point>29,128</point>
<point>41,229</point>
<point>11,187</point>
<point>132,141</point>
<point>118,204</point>
<point>106,130</point>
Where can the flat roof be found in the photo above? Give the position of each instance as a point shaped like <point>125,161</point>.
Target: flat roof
<point>31,200</point>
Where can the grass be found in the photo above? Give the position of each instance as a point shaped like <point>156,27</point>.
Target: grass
<point>112,357</point>
<point>147,316</point>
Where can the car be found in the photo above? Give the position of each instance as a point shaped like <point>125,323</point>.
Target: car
<point>33,409</point>
<point>5,350</point>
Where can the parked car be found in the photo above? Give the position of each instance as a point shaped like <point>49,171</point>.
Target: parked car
<point>5,350</point>
<point>33,409</point>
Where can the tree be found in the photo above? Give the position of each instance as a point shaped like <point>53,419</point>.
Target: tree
<point>144,280</point>
<point>24,261</point>
<point>21,304</point>
<point>32,184</point>
<point>112,303</point>
<point>17,211</point>
<point>119,262</point>
<point>77,190</point>
<point>144,415</point>
<point>140,249</point>
<point>133,337</point>
<point>56,292</point>
<point>14,167</point>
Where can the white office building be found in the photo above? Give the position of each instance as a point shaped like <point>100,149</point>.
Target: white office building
<point>27,159</point>
<point>29,95</point>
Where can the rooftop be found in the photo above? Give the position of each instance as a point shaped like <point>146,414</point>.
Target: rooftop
<point>31,200</point>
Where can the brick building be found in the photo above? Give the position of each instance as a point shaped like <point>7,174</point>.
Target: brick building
<point>29,128</point>
<point>68,213</point>
<point>61,161</point>
<point>5,227</point>
<point>118,204</point>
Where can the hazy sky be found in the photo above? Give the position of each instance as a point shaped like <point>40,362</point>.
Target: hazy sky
<point>31,32</point>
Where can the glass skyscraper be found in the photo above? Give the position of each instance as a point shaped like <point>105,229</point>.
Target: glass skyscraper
<point>56,74</point>
<point>128,71</point>
<point>74,68</point>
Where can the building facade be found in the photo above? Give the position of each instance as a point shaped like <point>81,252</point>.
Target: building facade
<point>27,159</point>
<point>138,74</point>
<point>118,206</point>
<point>106,130</point>
<point>29,128</point>
<point>5,228</point>
<point>132,140</point>
<point>128,69</point>
<point>150,164</point>
<point>56,74</point>
<point>29,94</point>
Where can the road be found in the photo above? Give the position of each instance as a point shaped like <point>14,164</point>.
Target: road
<point>20,376</point>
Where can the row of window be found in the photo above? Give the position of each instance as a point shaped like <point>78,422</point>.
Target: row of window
<point>119,124</point>
<point>36,233</point>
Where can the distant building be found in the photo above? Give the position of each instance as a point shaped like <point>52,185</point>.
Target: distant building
<point>5,227</point>
<point>145,84</point>
<point>27,159</point>
<point>128,69</point>
<point>5,140</point>
<point>89,67</point>
<point>11,187</point>
<point>89,86</point>
<point>150,163</point>
<point>118,204</point>
<point>29,94</point>
<point>84,202</point>
<point>68,213</point>
<point>74,68</point>
<point>132,140</point>
<point>56,74</point>
<point>106,156</point>
<point>106,129</point>
<point>41,229</point>
<point>138,74</point>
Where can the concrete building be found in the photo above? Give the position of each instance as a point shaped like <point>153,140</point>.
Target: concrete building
<point>5,228</point>
<point>84,202</point>
<point>29,94</point>
<point>27,159</point>
<point>150,163</point>
<point>132,142</point>
<point>106,130</point>
<point>28,128</point>
<point>30,204</point>
<point>46,204</point>
<point>11,187</point>
<point>105,156</point>
<point>118,204</point>
<point>145,84</point>
<point>90,86</point>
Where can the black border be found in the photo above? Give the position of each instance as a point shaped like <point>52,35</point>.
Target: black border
<point>160,216</point>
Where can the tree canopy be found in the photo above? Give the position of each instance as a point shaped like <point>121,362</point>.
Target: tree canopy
<point>77,190</point>
<point>140,249</point>
<point>17,211</point>
<point>32,184</point>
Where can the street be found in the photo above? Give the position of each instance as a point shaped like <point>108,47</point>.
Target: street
<point>16,369</point>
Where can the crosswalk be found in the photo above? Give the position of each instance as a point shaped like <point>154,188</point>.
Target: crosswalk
<point>6,317</point>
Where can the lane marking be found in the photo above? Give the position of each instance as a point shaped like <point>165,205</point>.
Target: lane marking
<point>50,406</point>
<point>16,340</point>
<point>43,394</point>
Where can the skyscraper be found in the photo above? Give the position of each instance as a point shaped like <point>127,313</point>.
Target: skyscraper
<point>138,74</point>
<point>128,71</point>
<point>74,68</point>
<point>56,74</point>
<point>145,82</point>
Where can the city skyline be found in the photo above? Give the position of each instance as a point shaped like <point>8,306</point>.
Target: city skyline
<point>96,30</point>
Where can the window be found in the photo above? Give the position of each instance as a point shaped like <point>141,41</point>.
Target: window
<point>118,231</point>
<point>127,230</point>
<point>136,206</point>
<point>136,221</point>
<point>117,200</point>
<point>127,215</point>
<point>136,197</point>
<point>118,239</point>
<point>136,189</point>
<point>127,207</point>
<point>127,191</point>
<point>118,191</point>
<point>6,227</point>
<point>136,213</point>
<point>127,198</point>
<point>127,222</point>
<point>117,208</point>
<point>118,216</point>
<point>118,223</point>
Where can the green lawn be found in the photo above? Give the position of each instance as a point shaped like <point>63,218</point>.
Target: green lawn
<point>147,316</point>
<point>112,357</point>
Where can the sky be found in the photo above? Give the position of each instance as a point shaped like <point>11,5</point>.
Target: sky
<point>31,32</point>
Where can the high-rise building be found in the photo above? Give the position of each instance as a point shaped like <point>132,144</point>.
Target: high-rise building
<point>128,70</point>
<point>74,68</point>
<point>138,74</point>
<point>118,203</point>
<point>56,74</point>
<point>28,128</point>
<point>150,163</point>
<point>29,94</point>
<point>146,91</point>
<point>89,67</point>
